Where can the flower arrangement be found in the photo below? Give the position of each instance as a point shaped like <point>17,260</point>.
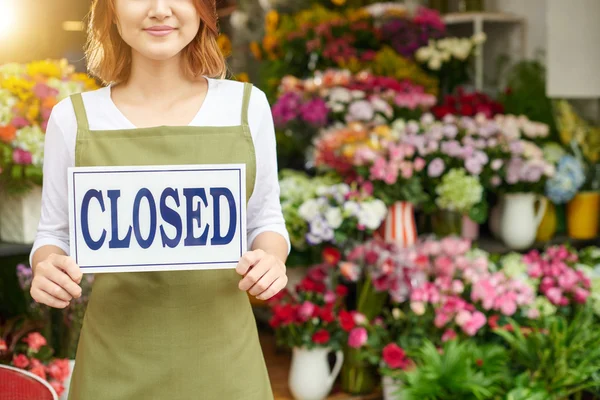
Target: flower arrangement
<point>27,94</point>
<point>459,192</point>
<point>22,346</point>
<point>340,214</point>
<point>309,317</point>
<point>467,105</point>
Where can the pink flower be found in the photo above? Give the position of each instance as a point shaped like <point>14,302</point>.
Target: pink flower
<point>406,168</point>
<point>419,164</point>
<point>581,295</point>
<point>3,346</point>
<point>39,370</point>
<point>357,337</point>
<point>441,319</point>
<point>19,122</point>
<point>35,341</point>
<point>507,305</point>
<point>359,318</point>
<point>444,266</point>
<point>554,295</point>
<point>59,369</point>
<point>306,310</point>
<point>568,279</point>
<point>378,169</point>
<point>22,157</point>
<point>435,168</point>
<point>450,334</point>
<point>329,297</point>
<point>462,317</point>
<point>457,286</point>
<point>476,322</point>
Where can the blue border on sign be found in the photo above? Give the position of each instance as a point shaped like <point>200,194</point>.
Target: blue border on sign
<point>156,170</point>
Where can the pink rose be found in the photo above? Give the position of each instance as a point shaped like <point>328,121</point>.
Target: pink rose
<point>359,319</point>
<point>441,319</point>
<point>22,157</point>
<point>357,337</point>
<point>35,341</point>
<point>419,164</point>
<point>329,297</point>
<point>444,266</point>
<point>554,295</point>
<point>462,317</point>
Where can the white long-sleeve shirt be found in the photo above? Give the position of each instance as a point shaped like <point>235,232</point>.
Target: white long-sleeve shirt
<point>222,107</point>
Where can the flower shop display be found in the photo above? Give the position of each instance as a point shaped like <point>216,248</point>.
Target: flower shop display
<point>28,92</point>
<point>307,321</point>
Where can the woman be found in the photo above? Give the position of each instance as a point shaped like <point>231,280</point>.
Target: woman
<point>163,335</point>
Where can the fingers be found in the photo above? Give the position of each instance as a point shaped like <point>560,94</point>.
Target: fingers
<point>63,280</point>
<point>277,286</point>
<point>44,298</point>
<point>68,265</point>
<point>54,290</point>
<point>249,259</point>
<point>255,274</point>
<point>264,282</point>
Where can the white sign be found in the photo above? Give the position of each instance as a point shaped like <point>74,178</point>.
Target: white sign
<point>157,218</point>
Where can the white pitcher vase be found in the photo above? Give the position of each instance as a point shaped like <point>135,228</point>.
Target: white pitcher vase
<point>520,221</point>
<point>310,378</point>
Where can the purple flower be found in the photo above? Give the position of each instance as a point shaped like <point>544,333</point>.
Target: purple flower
<point>513,170</point>
<point>360,110</point>
<point>467,151</point>
<point>315,112</point>
<point>516,147</point>
<point>25,276</point>
<point>531,172</point>
<point>435,167</point>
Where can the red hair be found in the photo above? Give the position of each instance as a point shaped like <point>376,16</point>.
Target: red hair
<point>109,57</point>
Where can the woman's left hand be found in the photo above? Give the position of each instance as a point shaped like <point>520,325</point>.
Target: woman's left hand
<point>264,274</point>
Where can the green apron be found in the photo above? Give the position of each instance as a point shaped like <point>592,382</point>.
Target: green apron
<point>177,335</point>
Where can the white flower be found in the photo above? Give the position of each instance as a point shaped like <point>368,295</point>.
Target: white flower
<point>358,94</point>
<point>7,101</point>
<point>322,190</point>
<point>337,107</point>
<point>360,110</point>
<point>424,53</point>
<point>382,106</point>
<point>479,38</point>
<point>434,63</point>
<point>31,139</point>
<point>334,217</point>
<point>309,210</point>
<point>239,19</point>
<point>351,208</point>
<point>371,214</point>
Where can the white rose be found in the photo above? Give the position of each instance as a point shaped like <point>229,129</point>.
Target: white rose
<point>424,53</point>
<point>434,63</point>
<point>351,208</point>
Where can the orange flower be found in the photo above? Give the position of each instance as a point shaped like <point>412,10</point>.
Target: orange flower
<point>243,77</point>
<point>49,102</point>
<point>269,43</point>
<point>8,133</point>
<point>224,44</point>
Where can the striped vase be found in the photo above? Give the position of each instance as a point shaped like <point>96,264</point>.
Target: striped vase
<point>399,225</point>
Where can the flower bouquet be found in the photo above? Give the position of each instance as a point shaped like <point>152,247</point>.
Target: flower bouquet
<point>27,95</point>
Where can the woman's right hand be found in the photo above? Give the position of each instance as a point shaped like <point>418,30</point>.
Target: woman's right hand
<point>56,281</point>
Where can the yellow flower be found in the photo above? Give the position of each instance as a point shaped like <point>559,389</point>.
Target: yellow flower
<point>395,12</point>
<point>255,49</point>
<point>358,15</point>
<point>243,77</point>
<point>21,88</point>
<point>338,2</point>
<point>89,83</point>
<point>49,68</point>
<point>269,43</point>
<point>33,112</point>
<point>271,21</point>
<point>224,44</point>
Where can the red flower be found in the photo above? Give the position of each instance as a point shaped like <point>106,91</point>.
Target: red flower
<point>341,290</point>
<point>347,321</point>
<point>326,314</point>
<point>20,361</point>
<point>321,337</point>
<point>331,256</point>
<point>39,370</point>
<point>479,362</point>
<point>394,356</point>
<point>3,346</point>
<point>35,341</point>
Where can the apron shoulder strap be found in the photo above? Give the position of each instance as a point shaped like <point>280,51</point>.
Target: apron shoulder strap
<point>80,114</point>
<point>246,102</point>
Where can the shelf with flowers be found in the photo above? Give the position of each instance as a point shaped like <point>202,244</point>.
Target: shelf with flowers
<point>28,92</point>
<point>318,38</point>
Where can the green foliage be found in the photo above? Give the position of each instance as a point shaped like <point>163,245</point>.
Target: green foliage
<point>560,358</point>
<point>460,371</point>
